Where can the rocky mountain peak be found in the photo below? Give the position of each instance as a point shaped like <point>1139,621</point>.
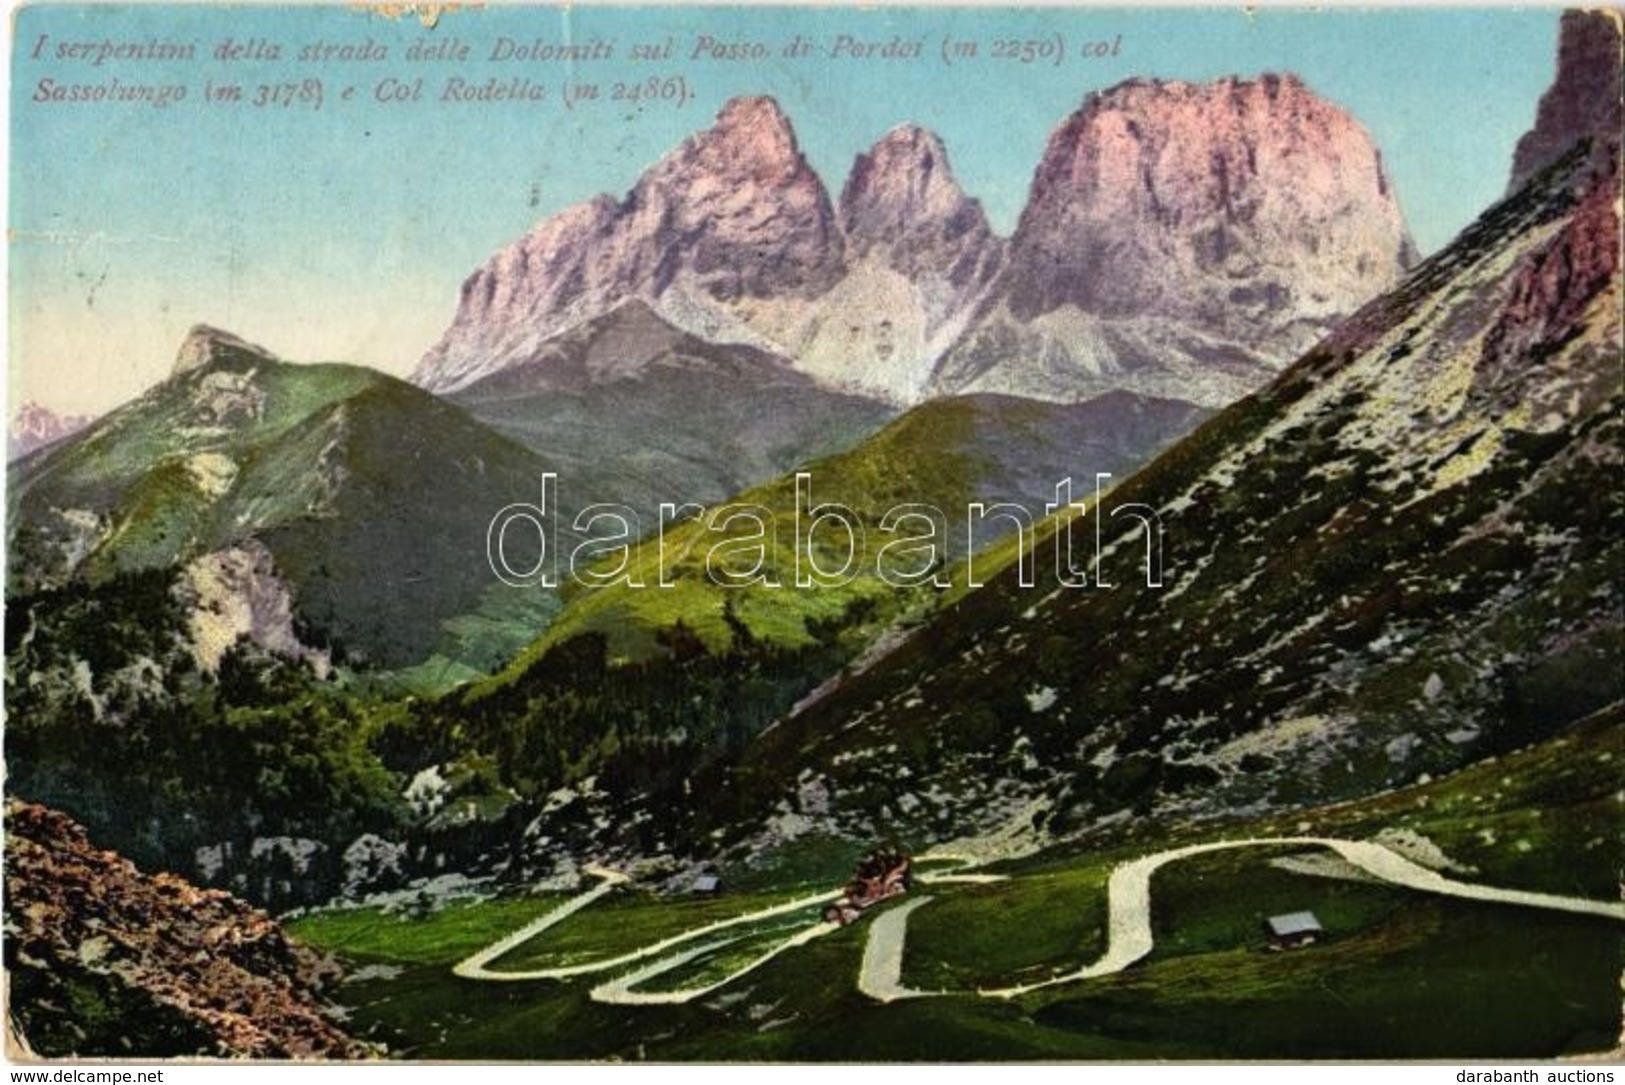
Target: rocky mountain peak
<point>1187,240</point>
<point>205,345</point>
<point>1583,100</point>
<point>1220,228</point>
<point>732,217</point>
<point>903,188</point>
<point>921,254</point>
<point>752,132</point>
<point>736,211</point>
<point>907,167</point>
<point>35,426</point>
<point>1257,188</point>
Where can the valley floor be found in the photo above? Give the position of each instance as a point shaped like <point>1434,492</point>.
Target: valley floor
<point>1434,899</point>
<point>1130,936</point>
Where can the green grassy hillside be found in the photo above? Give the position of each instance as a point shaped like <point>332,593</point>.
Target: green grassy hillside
<point>1400,558</point>
<point>371,495</point>
<point>636,412</point>
<point>946,454</point>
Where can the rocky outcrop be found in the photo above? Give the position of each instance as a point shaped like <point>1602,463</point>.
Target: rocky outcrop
<point>220,369</point>
<point>1584,99</point>
<point>1556,288</point>
<point>235,593</point>
<point>204,346</point>
<point>105,960</point>
<point>903,208</point>
<point>1548,299</point>
<point>921,255</point>
<point>1187,240</point>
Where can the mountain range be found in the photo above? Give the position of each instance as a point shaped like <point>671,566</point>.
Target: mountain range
<point>1179,240</point>
<point>1398,558</point>
<point>724,323</point>
<point>1393,560</point>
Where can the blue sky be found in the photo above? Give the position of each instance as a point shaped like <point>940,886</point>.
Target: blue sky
<point>345,233</point>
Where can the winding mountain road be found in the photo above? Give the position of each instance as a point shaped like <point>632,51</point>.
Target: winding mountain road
<point>477,967</point>
<point>473,968</point>
<point>880,975</point>
<point>620,991</point>
<point>1128,902</point>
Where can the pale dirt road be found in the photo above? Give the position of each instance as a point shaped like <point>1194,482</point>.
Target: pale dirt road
<point>473,968</point>
<point>476,967</point>
<point>620,991</point>
<point>880,976</point>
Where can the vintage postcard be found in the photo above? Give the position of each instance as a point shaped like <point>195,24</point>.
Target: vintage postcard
<point>813,533</point>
